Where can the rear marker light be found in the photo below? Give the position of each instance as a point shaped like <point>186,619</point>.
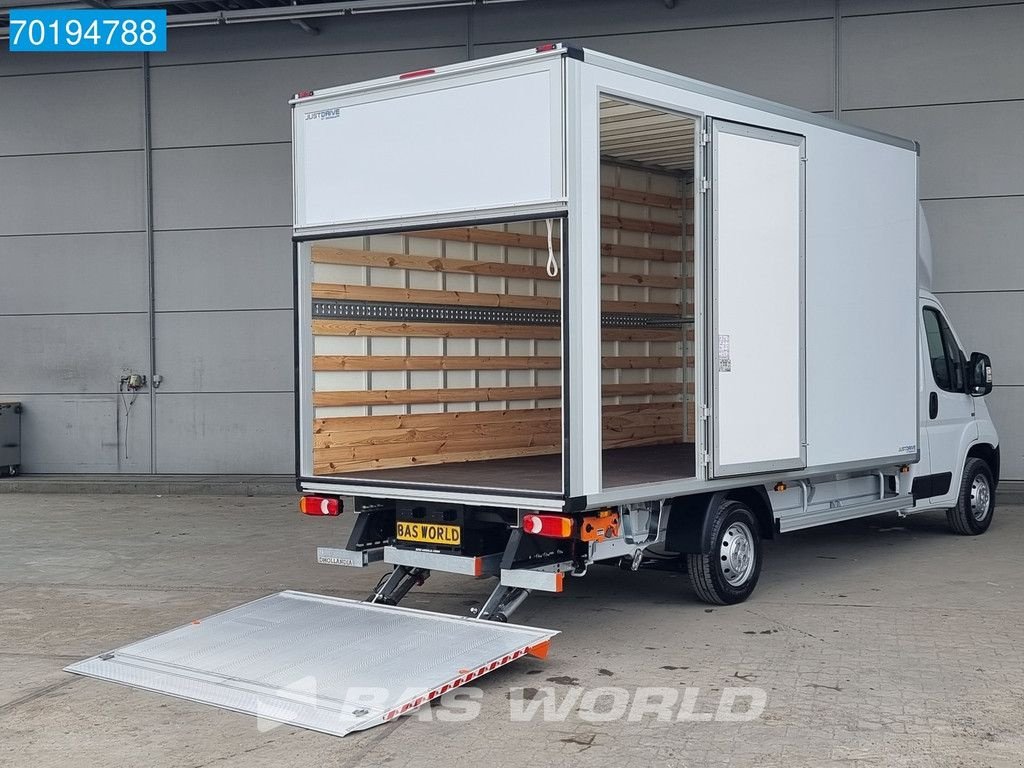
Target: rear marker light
<point>546,47</point>
<point>415,73</point>
<point>552,526</point>
<point>319,506</point>
<point>303,94</point>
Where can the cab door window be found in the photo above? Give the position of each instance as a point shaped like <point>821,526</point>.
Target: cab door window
<point>946,358</point>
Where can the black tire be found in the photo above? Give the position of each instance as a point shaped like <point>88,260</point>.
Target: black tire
<point>715,576</point>
<point>976,502</point>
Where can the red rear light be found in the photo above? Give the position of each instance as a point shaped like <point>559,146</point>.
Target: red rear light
<point>415,73</point>
<point>544,48</point>
<point>318,505</point>
<point>552,526</point>
<point>303,94</point>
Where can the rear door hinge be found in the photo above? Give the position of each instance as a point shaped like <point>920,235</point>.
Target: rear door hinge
<point>705,138</point>
<point>705,185</point>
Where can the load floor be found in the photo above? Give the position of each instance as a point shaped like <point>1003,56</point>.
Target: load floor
<point>622,466</point>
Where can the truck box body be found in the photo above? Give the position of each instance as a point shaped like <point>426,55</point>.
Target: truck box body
<point>558,280</point>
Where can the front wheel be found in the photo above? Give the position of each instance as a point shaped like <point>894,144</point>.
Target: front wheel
<point>729,572</point>
<point>972,514</point>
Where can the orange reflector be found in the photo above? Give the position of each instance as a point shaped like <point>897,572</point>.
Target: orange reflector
<point>600,527</point>
<point>552,526</point>
<point>318,505</point>
<point>540,650</point>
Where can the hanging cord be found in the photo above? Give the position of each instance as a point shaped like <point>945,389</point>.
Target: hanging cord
<point>552,261</point>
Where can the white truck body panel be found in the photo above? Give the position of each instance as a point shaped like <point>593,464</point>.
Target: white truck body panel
<point>470,142</point>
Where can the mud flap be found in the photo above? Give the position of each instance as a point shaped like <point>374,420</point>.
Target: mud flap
<point>318,662</point>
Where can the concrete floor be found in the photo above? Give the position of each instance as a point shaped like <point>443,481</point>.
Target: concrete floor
<point>883,642</point>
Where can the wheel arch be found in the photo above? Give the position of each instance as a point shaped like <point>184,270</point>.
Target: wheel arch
<point>990,455</point>
<point>689,518</point>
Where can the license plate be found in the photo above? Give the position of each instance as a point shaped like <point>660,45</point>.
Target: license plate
<point>430,533</point>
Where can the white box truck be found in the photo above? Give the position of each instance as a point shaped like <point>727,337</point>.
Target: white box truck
<point>554,309</point>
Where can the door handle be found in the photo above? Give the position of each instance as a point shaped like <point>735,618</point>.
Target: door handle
<point>933,405</point>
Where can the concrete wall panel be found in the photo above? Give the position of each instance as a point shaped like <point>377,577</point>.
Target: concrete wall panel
<point>247,433</point>
<point>201,269</point>
<point>50,194</point>
<point>71,353</point>
<point>15,64</point>
<point>82,273</point>
<point>225,351</point>
<point>977,243</point>
<point>66,433</point>
<point>1006,404</point>
<point>222,187</point>
<point>79,112</point>
<point>933,58</point>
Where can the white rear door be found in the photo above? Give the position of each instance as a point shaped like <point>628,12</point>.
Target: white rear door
<point>757,253</point>
<point>479,144</point>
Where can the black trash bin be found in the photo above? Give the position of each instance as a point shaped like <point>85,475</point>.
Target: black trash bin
<point>10,438</point>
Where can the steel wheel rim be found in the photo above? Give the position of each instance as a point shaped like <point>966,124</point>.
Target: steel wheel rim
<point>736,554</point>
<point>981,498</point>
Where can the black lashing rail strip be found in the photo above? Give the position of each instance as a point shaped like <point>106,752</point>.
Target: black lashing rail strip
<point>402,312</point>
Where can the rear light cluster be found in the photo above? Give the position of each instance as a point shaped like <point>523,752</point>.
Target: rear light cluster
<point>551,526</point>
<point>319,506</point>
<point>598,527</point>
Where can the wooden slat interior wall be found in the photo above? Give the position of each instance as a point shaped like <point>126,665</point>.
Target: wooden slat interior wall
<point>665,200</point>
<point>391,394</point>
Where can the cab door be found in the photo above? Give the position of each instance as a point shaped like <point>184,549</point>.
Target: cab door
<point>947,412</point>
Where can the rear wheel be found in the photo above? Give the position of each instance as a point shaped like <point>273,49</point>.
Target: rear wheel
<point>729,572</point>
<point>972,514</point>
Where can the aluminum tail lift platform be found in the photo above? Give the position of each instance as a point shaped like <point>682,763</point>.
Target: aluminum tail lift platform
<point>325,663</point>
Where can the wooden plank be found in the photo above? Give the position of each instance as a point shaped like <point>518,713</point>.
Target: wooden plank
<point>539,242</point>
<point>350,257</point>
<point>478,394</point>
<point>350,431</point>
<point>335,467</point>
<point>476,363</point>
<point>414,451</point>
<point>424,396</point>
<point>641,252</point>
<point>421,420</point>
<point>434,330</point>
<point>641,198</point>
<point>641,225</point>
<point>479,331</point>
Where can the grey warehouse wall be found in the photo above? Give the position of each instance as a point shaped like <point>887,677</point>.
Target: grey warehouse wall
<point>79,177</point>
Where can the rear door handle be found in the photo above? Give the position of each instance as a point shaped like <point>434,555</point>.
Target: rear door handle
<point>933,405</point>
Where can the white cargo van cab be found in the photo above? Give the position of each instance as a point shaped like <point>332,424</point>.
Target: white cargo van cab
<point>959,465</point>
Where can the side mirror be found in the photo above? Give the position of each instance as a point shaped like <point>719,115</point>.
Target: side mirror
<point>979,375</point>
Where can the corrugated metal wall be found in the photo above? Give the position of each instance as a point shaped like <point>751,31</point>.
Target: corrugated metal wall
<point>74,269</point>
